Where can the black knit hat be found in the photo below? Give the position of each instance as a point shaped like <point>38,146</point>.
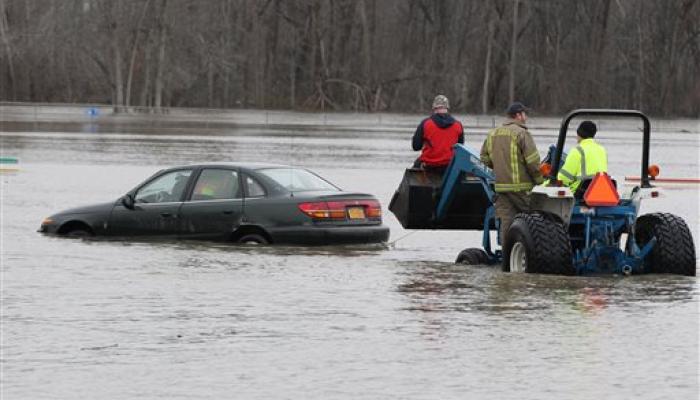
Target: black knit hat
<point>587,129</point>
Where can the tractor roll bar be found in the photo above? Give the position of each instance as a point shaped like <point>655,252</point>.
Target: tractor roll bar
<point>604,113</point>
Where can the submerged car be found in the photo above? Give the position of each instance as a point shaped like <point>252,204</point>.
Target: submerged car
<point>244,203</point>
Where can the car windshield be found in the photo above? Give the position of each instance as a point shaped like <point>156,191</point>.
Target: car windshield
<point>297,180</point>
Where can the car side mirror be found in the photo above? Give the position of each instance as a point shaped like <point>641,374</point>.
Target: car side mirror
<point>128,201</point>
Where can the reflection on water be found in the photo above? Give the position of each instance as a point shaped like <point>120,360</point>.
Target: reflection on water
<point>451,287</point>
<point>168,319</point>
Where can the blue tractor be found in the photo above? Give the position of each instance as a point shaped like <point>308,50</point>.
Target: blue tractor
<point>592,232</point>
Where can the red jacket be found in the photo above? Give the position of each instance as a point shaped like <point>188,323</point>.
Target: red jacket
<point>435,137</point>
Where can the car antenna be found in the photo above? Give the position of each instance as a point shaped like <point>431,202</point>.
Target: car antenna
<point>291,151</point>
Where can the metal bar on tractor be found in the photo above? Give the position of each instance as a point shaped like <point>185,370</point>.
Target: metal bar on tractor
<point>604,113</point>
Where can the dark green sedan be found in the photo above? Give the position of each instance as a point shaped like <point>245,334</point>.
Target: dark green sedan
<point>242,203</point>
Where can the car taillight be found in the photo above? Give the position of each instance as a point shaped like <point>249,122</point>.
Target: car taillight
<point>315,210</point>
<point>374,210</point>
<point>336,210</point>
<point>343,209</point>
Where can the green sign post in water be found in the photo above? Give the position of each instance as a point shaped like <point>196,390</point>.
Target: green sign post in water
<point>8,160</point>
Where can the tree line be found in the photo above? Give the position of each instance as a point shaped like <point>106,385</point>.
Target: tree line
<point>360,55</point>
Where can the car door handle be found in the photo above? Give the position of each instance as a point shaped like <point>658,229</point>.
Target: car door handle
<point>168,215</point>
<point>228,212</point>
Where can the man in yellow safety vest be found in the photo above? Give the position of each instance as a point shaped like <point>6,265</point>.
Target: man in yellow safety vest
<point>585,160</point>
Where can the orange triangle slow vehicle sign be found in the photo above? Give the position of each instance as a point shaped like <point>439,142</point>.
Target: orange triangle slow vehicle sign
<point>601,192</point>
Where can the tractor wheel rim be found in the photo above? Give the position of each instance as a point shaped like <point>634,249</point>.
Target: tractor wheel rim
<point>518,258</point>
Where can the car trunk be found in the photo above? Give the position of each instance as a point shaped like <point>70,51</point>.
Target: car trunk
<point>340,208</point>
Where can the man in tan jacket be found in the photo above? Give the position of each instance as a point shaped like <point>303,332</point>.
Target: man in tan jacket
<point>510,151</point>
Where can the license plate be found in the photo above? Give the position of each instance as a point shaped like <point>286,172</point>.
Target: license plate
<point>356,213</point>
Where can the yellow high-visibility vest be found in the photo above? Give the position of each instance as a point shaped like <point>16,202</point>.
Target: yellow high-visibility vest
<point>583,162</point>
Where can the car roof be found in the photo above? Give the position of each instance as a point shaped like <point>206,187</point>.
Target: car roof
<point>246,165</point>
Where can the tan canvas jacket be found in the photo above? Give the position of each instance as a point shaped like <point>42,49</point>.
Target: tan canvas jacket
<point>510,151</point>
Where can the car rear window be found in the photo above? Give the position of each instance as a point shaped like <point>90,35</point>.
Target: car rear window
<point>297,180</point>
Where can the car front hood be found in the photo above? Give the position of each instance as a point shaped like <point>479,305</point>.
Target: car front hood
<point>90,209</point>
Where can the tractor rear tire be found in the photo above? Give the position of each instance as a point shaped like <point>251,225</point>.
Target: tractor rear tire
<point>537,244</point>
<point>674,251</point>
<point>472,256</point>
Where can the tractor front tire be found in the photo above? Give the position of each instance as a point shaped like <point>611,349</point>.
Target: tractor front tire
<point>674,251</point>
<point>537,244</point>
<point>472,256</point>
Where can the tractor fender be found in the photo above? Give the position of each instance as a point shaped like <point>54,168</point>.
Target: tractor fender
<point>557,202</point>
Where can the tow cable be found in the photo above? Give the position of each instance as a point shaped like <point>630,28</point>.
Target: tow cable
<point>392,244</point>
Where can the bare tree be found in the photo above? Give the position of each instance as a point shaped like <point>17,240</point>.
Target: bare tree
<point>513,50</point>
<point>8,50</point>
<point>162,29</point>
<point>364,55</point>
<point>134,51</point>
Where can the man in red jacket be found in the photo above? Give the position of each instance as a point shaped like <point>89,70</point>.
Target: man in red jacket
<point>436,135</point>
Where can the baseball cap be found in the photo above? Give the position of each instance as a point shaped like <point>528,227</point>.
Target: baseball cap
<point>516,107</point>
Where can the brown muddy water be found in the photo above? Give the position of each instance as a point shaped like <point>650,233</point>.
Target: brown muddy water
<point>168,320</point>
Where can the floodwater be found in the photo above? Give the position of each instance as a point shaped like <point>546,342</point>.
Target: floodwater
<point>189,320</point>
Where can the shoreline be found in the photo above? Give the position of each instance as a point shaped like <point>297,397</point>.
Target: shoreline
<point>42,115</point>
